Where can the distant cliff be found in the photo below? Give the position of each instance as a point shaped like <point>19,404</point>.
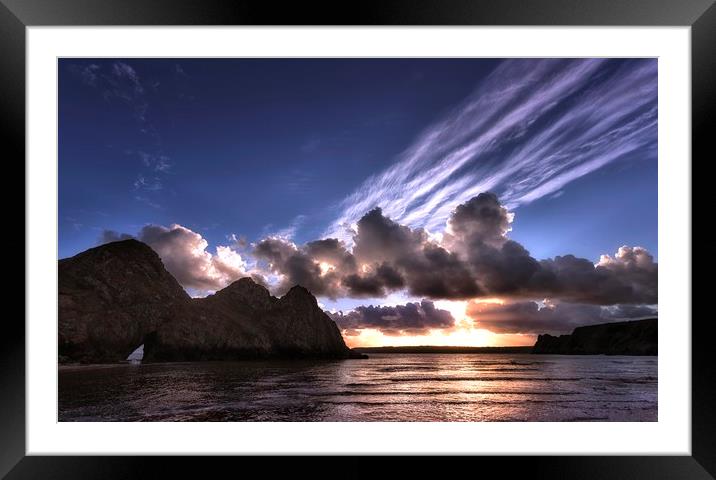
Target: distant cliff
<point>117,296</point>
<point>638,337</point>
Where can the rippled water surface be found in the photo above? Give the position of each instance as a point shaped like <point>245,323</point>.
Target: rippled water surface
<point>385,387</point>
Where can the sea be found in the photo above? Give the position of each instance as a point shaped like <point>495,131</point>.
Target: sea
<point>383,388</point>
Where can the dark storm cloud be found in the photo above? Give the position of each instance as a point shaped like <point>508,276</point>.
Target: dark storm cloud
<point>528,317</point>
<point>630,276</point>
<point>436,273</point>
<point>506,270</point>
<point>408,319</point>
<point>380,239</point>
<point>474,258</point>
<point>477,232</point>
<point>385,278</point>
<point>332,251</point>
<point>302,265</point>
<point>386,257</point>
<point>637,271</point>
<point>426,268</point>
<point>275,250</point>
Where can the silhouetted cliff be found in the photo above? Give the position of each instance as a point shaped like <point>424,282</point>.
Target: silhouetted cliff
<point>117,296</point>
<point>638,337</point>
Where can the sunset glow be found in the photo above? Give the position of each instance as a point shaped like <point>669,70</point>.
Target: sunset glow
<point>461,337</point>
<point>465,333</point>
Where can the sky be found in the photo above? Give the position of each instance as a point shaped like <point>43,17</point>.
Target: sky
<point>423,201</point>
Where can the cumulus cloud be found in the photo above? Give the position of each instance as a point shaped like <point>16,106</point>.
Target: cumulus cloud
<point>473,257</point>
<point>386,257</point>
<point>184,254</point>
<point>409,319</point>
<point>379,239</point>
<point>414,260</point>
<point>635,267</point>
<point>479,221</point>
<point>631,276</point>
<point>529,317</point>
<point>317,266</point>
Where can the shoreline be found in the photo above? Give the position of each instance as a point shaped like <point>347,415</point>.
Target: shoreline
<point>70,367</point>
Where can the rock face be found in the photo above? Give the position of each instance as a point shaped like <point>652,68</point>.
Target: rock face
<point>638,337</point>
<point>117,296</point>
<point>111,297</point>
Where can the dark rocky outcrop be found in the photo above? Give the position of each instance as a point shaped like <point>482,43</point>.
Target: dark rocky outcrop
<point>638,337</point>
<point>117,296</point>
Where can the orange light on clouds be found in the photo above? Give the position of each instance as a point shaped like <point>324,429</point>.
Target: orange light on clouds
<point>464,334</point>
<point>474,337</point>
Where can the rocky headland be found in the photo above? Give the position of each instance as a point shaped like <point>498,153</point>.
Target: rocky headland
<point>637,337</point>
<point>118,296</point>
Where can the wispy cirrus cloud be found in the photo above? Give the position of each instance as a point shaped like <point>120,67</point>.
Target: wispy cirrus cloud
<point>285,233</point>
<point>149,184</point>
<point>120,82</point>
<point>148,201</point>
<point>530,128</point>
<point>155,162</point>
<point>87,73</point>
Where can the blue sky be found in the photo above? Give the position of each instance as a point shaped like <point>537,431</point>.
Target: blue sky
<point>252,144</point>
<point>301,149</point>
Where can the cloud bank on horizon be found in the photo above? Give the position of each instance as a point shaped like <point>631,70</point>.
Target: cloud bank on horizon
<point>504,139</point>
<point>472,259</point>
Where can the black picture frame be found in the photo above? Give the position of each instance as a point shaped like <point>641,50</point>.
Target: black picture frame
<point>16,15</point>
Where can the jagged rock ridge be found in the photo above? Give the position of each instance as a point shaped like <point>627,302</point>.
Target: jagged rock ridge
<point>637,337</point>
<point>114,297</point>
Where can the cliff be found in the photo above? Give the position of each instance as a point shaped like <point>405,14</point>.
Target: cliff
<point>638,337</point>
<point>117,296</point>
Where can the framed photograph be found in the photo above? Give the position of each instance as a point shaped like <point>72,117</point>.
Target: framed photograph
<point>421,228</point>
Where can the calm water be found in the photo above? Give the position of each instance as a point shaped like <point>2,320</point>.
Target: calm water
<point>386,387</point>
